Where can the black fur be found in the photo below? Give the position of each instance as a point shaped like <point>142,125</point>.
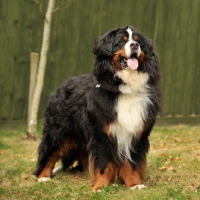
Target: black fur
<point>80,109</point>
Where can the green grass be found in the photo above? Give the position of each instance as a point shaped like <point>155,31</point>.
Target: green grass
<point>173,171</point>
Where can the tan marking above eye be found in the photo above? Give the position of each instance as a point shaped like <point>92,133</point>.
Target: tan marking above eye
<point>125,38</point>
<point>135,37</point>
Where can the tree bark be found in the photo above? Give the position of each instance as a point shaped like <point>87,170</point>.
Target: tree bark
<point>33,77</point>
<point>32,124</point>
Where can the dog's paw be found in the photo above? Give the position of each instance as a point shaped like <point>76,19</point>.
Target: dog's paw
<point>138,187</point>
<point>99,190</point>
<point>43,179</point>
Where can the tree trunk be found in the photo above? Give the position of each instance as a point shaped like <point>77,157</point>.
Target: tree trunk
<point>32,124</point>
<point>33,78</point>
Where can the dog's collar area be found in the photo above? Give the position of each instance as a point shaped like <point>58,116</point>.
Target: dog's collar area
<point>98,85</point>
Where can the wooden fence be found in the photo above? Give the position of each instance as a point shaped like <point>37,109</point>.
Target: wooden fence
<point>173,25</point>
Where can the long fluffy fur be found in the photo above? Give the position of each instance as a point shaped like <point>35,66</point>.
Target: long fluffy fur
<point>105,117</point>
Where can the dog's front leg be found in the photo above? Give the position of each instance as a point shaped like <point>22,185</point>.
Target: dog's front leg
<point>101,176</point>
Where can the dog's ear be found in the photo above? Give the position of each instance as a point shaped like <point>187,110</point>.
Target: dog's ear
<point>103,45</point>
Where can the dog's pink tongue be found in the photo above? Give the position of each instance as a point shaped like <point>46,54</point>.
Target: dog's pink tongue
<point>132,63</point>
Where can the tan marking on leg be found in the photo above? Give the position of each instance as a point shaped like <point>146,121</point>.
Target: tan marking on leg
<point>65,148</point>
<point>98,179</point>
<point>47,171</point>
<point>132,177</point>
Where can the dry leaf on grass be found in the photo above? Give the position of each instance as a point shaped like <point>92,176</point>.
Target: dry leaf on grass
<point>163,144</point>
<point>172,169</point>
<point>167,168</point>
<point>76,176</point>
<point>161,169</point>
<point>169,179</point>
<point>1,152</point>
<point>177,159</point>
<point>26,178</point>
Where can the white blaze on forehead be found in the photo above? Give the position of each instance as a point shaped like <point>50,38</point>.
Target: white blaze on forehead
<point>130,32</point>
<point>130,40</point>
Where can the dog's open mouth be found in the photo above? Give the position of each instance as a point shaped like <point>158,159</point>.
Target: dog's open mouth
<point>129,63</point>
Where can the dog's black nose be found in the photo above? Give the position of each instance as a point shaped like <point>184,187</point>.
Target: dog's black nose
<point>134,45</point>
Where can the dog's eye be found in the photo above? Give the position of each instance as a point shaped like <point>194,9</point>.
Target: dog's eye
<point>123,39</point>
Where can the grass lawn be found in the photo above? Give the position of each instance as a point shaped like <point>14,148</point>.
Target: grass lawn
<point>173,170</point>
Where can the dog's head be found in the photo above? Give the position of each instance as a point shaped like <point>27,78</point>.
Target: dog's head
<point>126,47</point>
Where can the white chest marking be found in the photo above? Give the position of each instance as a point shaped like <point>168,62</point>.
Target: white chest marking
<point>131,110</point>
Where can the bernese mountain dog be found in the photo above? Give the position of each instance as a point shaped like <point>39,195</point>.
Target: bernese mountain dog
<point>103,120</point>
